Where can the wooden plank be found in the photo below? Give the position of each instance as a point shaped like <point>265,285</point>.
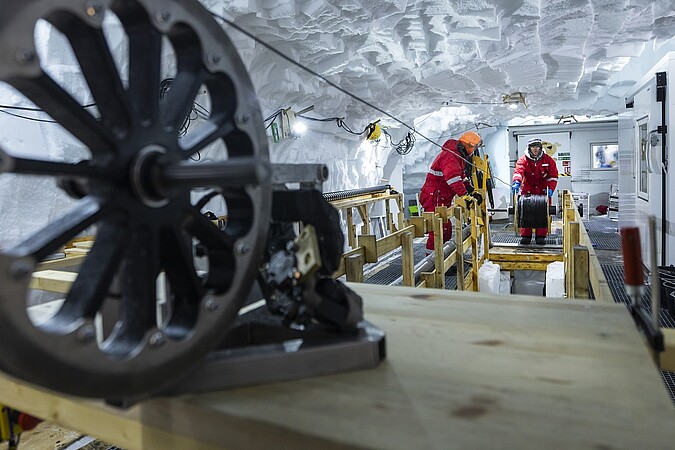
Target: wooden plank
<point>420,226</point>
<point>400,215</point>
<point>428,279</point>
<point>68,261</point>
<point>667,357</point>
<point>365,218</point>
<point>369,242</point>
<point>524,369</point>
<point>497,255</point>
<point>439,281</point>
<point>387,212</point>
<point>53,280</point>
<point>513,265</point>
<point>601,290</point>
<point>407,258</point>
<point>354,265</point>
<point>459,245</point>
<point>392,242</point>
<point>474,250</point>
<point>580,258</point>
<point>351,232</point>
<point>342,268</point>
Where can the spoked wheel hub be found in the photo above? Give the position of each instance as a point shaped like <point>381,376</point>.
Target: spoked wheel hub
<point>141,193</point>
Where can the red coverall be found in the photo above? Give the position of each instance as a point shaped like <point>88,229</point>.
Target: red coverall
<point>445,179</point>
<point>535,177</point>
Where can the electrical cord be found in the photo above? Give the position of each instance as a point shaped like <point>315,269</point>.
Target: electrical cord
<point>335,86</point>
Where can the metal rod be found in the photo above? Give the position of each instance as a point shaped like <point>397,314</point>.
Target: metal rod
<point>342,195</point>
<point>231,172</point>
<point>656,279</point>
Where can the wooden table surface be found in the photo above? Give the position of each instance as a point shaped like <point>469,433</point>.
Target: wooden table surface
<point>462,371</point>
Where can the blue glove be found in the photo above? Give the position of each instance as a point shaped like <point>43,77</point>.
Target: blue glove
<point>549,192</point>
<point>515,187</point>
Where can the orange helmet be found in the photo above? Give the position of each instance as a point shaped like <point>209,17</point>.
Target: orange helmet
<point>470,141</point>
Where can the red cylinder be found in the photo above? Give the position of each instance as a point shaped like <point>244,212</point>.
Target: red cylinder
<point>632,256</point>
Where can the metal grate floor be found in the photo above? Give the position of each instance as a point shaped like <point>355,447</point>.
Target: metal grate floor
<point>614,276</point>
<point>510,238</point>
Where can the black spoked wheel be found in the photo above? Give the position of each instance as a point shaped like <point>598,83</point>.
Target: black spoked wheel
<point>141,192</point>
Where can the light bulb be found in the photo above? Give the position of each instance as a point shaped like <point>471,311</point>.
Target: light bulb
<point>299,128</point>
<point>513,105</point>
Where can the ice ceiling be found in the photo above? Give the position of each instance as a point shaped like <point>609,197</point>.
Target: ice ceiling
<point>413,57</point>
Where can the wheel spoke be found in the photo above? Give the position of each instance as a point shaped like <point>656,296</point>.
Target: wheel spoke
<point>206,134</point>
<point>186,286</point>
<point>145,47</point>
<point>139,293</point>
<point>56,234</point>
<point>98,68</point>
<point>95,276</point>
<point>180,97</point>
<point>55,101</point>
<point>210,235</point>
<point>24,166</point>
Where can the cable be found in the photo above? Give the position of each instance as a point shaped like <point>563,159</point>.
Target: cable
<point>28,118</point>
<point>27,108</point>
<point>292,61</point>
<point>404,146</point>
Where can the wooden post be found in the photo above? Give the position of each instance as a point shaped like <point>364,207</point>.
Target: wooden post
<point>369,242</point>
<point>420,226</point>
<point>580,257</point>
<point>428,279</point>
<point>459,243</point>
<point>387,211</point>
<point>401,217</point>
<point>351,233</point>
<point>354,265</point>
<point>474,248</point>
<point>363,212</point>
<point>438,253</point>
<point>407,259</point>
<point>572,241</point>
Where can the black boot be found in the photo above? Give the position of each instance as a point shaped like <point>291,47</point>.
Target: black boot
<point>525,240</point>
<point>540,240</point>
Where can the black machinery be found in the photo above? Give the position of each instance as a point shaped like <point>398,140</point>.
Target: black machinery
<point>146,200</point>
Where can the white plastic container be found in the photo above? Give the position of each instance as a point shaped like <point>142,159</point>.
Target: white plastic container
<point>505,282</point>
<point>555,279</point>
<point>488,277</point>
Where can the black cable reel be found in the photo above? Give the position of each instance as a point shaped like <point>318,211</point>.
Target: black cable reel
<point>137,189</point>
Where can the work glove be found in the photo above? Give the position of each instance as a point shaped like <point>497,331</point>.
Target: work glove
<point>468,198</point>
<point>549,192</point>
<point>515,187</point>
<point>477,196</point>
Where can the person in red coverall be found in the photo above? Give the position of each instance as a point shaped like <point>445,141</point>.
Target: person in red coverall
<point>538,174</point>
<point>446,178</point>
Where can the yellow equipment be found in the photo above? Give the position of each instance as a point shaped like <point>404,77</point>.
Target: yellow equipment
<point>374,131</point>
<point>12,424</point>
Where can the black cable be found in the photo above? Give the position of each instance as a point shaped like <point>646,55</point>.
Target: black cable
<point>292,61</point>
<point>27,108</point>
<point>330,83</point>
<point>27,118</point>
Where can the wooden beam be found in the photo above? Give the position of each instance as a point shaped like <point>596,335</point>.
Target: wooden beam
<point>514,265</point>
<point>667,357</point>
<point>459,244</point>
<point>355,268</point>
<point>53,280</point>
<point>407,258</point>
<point>68,261</point>
<point>420,226</point>
<point>580,258</point>
<point>342,268</point>
<point>351,232</point>
<point>392,242</point>
<point>438,253</point>
<point>428,279</point>
<point>369,242</point>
